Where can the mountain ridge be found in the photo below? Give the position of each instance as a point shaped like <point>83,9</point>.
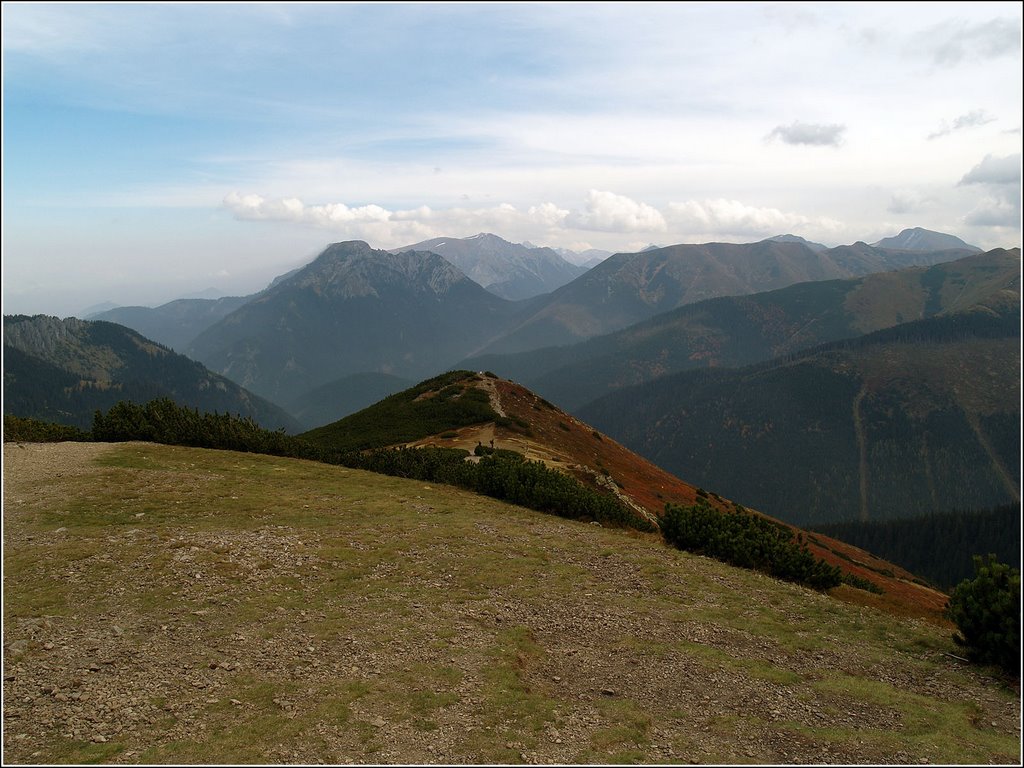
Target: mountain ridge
<point>740,330</point>
<point>64,370</point>
<point>627,288</point>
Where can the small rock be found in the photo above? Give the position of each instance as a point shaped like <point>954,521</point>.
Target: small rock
<point>99,738</point>
<point>607,692</point>
<point>378,722</point>
<point>236,702</point>
<point>47,646</point>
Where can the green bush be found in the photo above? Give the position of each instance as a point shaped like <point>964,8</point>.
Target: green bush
<point>986,611</point>
<point>748,541</point>
<point>164,421</point>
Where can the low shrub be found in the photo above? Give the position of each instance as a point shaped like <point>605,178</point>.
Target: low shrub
<point>748,541</point>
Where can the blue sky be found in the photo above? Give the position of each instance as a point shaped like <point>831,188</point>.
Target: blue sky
<point>151,151</point>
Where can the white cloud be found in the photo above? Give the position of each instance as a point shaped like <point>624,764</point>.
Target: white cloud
<point>953,41</point>
<point>731,217</point>
<point>971,119</point>
<point>995,170</point>
<point>908,201</point>
<point>995,212</point>
<point>609,212</point>
<point>812,134</point>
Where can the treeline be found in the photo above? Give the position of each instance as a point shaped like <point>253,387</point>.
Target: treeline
<point>939,547</point>
<point>743,539</point>
<point>504,475</point>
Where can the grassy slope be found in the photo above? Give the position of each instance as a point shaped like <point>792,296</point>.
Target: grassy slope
<point>355,617</point>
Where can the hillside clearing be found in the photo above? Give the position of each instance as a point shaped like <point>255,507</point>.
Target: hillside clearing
<point>166,605</point>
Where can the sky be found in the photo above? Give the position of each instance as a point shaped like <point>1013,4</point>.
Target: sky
<point>153,151</point>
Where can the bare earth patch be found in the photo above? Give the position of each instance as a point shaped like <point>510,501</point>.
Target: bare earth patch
<point>167,605</point>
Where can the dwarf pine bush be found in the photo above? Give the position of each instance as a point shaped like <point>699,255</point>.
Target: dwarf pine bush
<point>986,611</point>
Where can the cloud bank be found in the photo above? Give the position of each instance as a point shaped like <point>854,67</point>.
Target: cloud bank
<point>601,211</point>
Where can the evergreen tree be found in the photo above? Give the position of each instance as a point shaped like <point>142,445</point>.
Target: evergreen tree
<point>986,610</point>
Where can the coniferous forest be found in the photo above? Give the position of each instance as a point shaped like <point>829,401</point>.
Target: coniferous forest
<point>938,547</point>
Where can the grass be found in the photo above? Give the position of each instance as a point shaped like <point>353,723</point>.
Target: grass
<point>437,618</point>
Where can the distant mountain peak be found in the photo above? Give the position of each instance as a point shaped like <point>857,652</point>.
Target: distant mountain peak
<point>788,238</point>
<point>920,239</point>
<point>352,268</point>
<point>510,270</point>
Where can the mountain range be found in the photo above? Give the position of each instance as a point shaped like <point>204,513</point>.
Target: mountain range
<point>627,288</point>
<point>739,330</point>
